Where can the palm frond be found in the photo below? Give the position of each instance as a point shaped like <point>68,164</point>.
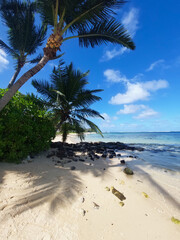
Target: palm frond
<point>44,88</point>
<point>88,12</point>
<point>104,32</point>
<point>87,112</point>
<point>85,98</point>
<point>23,35</point>
<point>8,49</point>
<point>79,129</point>
<point>92,125</point>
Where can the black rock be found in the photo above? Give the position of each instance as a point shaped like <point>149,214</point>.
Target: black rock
<point>118,155</point>
<point>73,168</point>
<point>122,161</point>
<point>111,156</point>
<point>104,155</point>
<point>96,156</point>
<point>81,160</point>
<point>74,160</point>
<point>51,154</point>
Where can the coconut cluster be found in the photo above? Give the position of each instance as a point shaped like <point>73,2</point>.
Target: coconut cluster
<point>53,44</point>
<point>54,41</point>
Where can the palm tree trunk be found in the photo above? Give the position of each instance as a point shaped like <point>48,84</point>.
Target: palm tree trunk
<point>22,80</point>
<point>13,79</point>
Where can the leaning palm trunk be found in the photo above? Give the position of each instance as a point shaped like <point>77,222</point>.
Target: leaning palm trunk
<point>22,80</point>
<point>53,45</point>
<point>13,79</point>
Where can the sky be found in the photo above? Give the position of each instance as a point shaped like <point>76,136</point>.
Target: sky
<point>141,87</point>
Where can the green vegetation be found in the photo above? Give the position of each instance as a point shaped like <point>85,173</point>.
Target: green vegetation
<point>93,23</point>
<point>69,101</point>
<point>25,128</point>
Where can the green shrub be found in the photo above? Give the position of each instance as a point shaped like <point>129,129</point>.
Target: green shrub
<point>25,127</point>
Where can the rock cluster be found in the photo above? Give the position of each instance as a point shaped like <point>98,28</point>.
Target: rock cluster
<point>68,152</point>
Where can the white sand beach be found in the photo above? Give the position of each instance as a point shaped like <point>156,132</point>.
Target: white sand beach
<point>43,201</point>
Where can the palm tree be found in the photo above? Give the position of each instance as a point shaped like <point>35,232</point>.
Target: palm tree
<point>23,35</point>
<point>69,101</point>
<point>92,22</point>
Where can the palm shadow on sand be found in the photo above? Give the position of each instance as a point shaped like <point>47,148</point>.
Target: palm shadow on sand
<point>45,182</point>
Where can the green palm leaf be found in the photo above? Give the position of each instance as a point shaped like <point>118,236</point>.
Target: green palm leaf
<point>8,49</point>
<point>44,88</point>
<point>24,36</point>
<point>87,112</point>
<point>92,21</point>
<point>93,126</point>
<point>69,100</point>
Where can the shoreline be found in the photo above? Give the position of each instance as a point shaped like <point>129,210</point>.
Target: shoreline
<point>44,200</point>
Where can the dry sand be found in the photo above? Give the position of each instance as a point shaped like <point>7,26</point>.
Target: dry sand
<point>42,201</point>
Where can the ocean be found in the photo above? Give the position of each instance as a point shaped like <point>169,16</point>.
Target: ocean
<point>162,149</point>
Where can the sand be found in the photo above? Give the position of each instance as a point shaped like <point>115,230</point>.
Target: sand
<point>43,201</point>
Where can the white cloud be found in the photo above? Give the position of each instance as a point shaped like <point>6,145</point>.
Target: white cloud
<point>134,93</point>
<point>129,109</point>
<point>106,117</point>
<point>110,54</point>
<point>138,91</point>
<point>145,111</point>
<point>130,22</point>
<point>155,85</point>
<point>3,60</point>
<point>148,113</point>
<point>155,64</point>
<point>107,123</point>
<point>114,76</point>
<point>3,53</point>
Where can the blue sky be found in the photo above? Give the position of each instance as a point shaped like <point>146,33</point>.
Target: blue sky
<point>141,87</point>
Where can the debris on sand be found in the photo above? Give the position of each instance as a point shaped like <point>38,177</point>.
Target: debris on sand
<point>83,212</point>
<point>121,204</point>
<point>118,194</point>
<point>145,195</point>
<point>175,220</point>
<point>96,206</point>
<point>128,171</point>
<point>107,189</point>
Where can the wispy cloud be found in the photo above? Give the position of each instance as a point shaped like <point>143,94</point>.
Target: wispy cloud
<point>114,76</point>
<point>138,91</point>
<point>131,108</point>
<point>3,60</point>
<point>144,111</point>
<point>147,113</point>
<point>154,64</point>
<point>106,117</point>
<point>130,22</point>
<point>107,123</point>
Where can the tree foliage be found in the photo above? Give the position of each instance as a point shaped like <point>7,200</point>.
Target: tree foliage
<point>25,127</point>
<point>24,36</point>
<point>92,22</point>
<point>69,100</point>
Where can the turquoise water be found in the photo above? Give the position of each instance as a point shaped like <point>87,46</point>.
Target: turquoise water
<point>170,138</point>
<point>162,149</point>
